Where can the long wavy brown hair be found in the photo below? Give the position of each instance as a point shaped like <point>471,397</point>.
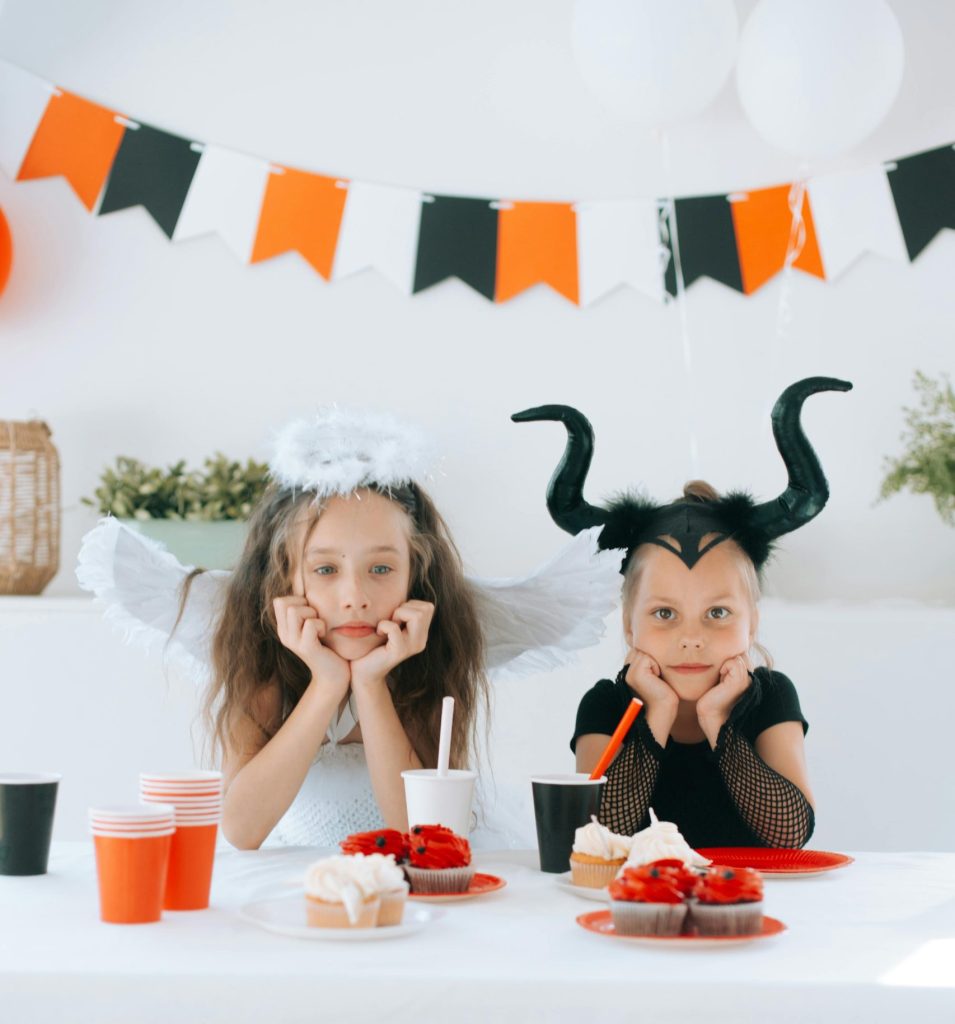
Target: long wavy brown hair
<point>248,656</point>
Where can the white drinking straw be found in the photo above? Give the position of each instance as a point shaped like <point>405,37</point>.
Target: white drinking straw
<point>444,742</point>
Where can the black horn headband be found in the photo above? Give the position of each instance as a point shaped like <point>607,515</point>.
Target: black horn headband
<point>631,520</point>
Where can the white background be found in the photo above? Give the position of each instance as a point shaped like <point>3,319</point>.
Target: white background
<point>127,344</point>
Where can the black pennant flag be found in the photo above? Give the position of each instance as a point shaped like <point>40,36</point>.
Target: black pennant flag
<point>923,187</point>
<point>458,238</point>
<point>707,242</point>
<point>152,169</point>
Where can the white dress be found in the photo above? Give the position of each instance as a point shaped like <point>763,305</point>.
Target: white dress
<point>336,800</point>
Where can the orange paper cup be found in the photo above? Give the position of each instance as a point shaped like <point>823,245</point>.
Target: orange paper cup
<point>191,859</point>
<point>132,875</point>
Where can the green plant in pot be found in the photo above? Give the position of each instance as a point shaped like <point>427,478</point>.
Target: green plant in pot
<point>927,466</point>
<point>200,515</point>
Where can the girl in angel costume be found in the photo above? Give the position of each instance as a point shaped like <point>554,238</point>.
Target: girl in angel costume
<point>718,747</point>
<point>326,653</point>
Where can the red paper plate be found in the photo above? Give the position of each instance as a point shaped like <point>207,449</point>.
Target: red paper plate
<point>777,862</point>
<point>601,923</point>
<point>480,884</point>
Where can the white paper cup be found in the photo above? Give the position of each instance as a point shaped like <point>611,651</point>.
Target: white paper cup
<point>434,799</point>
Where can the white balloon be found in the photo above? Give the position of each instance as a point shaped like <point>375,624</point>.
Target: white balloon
<point>655,61</point>
<point>815,77</point>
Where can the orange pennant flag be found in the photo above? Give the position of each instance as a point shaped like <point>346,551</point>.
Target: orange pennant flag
<point>77,139</point>
<point>536,243</point>
<point>763,223</point>
<point>303,212</point>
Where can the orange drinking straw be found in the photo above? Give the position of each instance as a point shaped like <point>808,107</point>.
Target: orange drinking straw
<point>618,734</point>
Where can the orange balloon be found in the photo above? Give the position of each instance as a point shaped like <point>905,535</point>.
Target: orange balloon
<point>6,250</point>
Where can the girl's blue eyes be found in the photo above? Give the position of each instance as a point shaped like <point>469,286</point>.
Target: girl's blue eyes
<point>330,570</point>
<point>667,614</point>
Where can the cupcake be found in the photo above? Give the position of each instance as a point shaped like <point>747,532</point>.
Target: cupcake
<point>647,901</point>
<point>661,840</point>
<point>439,862</point>
<point>384,878</point>
<point>335,896</point>
<point>729,901</point>
<point>684,878</point>
<point>382,840</point>
<point>597,855</point>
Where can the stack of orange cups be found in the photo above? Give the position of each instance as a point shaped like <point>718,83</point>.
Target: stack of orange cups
<point>197,799</point>
<point>132,845</point>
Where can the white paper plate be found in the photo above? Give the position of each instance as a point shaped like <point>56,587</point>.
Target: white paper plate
<point>286,916</point>
<point>586,892</point>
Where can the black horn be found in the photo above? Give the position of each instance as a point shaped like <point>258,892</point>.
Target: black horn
<point>807,492</point>
<point>565,491</point>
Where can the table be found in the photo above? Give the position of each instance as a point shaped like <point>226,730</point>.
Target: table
<point>873,942</point>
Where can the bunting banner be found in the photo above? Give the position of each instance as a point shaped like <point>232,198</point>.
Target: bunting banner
<point>499,247</point>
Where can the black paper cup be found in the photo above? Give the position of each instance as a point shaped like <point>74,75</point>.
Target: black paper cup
<point>562,803</point>
<point>27,803</point>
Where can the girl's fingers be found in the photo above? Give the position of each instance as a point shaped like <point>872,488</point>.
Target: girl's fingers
<point>418,621</point>
<point>391,631</point>
<point>310,634</point>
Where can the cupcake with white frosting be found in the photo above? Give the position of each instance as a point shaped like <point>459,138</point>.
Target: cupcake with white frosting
<point>661,840</point>
<point>384,877</point>
<point>597,855</point>
<point>339,894</point>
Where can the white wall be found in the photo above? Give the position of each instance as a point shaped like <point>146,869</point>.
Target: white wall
<point>128,344</point>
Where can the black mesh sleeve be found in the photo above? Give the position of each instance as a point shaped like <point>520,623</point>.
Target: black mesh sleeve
<point>631,779</point>
<point>773,808</point>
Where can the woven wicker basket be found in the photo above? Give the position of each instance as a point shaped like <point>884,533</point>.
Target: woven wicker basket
<point>29,507</point>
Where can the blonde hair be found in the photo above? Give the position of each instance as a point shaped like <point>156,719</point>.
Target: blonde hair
<point>248,656</point>
<point>698,491</point>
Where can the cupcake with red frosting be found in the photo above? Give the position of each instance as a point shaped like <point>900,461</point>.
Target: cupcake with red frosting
<point>439,861</point>
<point>382,840</point>
<point>729,901</point>
<point>649,900</point>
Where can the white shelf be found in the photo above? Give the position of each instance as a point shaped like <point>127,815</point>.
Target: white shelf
<point>76,603</point>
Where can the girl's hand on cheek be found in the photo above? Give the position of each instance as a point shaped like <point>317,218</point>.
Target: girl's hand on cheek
<point>646,680</point>
<point>714,707</point>
<point>405,633</point>
<point>302,631</point>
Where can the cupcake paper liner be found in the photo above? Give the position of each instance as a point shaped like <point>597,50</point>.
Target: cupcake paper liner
<point>592,875</point>
<point>392,907</point>
<point>632,918</point>
<point>320,914</point>
<point>439,881</point>
<point>727,918</point>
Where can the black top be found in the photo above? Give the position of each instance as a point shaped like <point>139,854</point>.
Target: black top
<point>690,790</point>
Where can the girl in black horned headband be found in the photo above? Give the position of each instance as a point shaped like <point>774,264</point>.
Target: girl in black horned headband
<point>718,748</point>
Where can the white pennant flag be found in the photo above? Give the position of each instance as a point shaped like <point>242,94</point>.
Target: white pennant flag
<point>379,229</point>
<point>619,243</point>
<point>225,197</point>
<point>23,100</point>
<point>853,212</point>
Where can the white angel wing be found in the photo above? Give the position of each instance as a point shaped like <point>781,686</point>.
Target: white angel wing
<point>140,582</point>
<point>536,623</point>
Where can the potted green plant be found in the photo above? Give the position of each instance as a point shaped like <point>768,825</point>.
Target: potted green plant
<point>199,515</point>
<point>927,466</point>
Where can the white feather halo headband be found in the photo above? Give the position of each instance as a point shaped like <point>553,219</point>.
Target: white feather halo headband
<point>339,449</point>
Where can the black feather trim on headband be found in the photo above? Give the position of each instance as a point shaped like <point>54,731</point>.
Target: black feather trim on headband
<point>632,520</point>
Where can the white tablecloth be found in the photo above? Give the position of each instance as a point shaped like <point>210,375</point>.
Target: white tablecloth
<point>871,942</point>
